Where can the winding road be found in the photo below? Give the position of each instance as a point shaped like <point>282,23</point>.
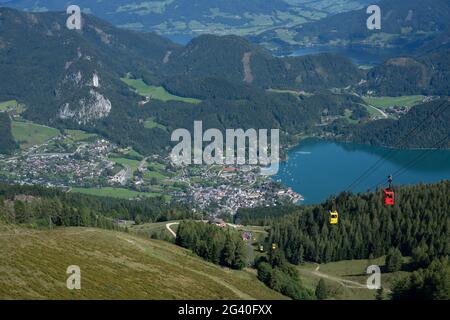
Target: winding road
<point>170,230</point>
<point>380,111</point>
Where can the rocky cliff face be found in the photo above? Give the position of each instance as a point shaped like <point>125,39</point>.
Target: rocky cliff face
<point>91,108</point>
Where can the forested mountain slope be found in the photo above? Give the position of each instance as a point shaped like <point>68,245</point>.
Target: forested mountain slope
<point>424,126</point>
<point>239,61</point>
<point>229,74</point>
<point>427,74</point>
<point>417,225</point>
<point>85,91</point>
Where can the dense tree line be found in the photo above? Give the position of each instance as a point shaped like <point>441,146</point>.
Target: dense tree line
<point>219,246</point>
<point>44,206</point>
<point>432,283</point>
<point>262,216</point>
<point>417,226</point>
<point>281,276</point>
<point>7,143</point>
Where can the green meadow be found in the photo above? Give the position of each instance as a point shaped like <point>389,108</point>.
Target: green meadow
<point>111,192</point>
<point>28,134</point>
<point>134,164</point>
<point>79,135</point>
<point>151,124</point>
<point>155,92</point>
<point>385,102</point>
<point>8,105</point>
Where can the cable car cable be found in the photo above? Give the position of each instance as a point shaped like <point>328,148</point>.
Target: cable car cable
<point>376,165</point>
<point>421,156</point>
<point>438,111</point>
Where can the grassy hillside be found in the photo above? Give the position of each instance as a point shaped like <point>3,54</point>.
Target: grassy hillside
<point>346,280</point>
<point>385,102</point>
<point>28,134</point>
<point>113,266</point>
<point>6,105</point>
<point>120,193</point>
<point>154,92</point>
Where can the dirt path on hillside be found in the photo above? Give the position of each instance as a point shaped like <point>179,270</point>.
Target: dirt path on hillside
<point>343,282</point>
<point>170,230</point>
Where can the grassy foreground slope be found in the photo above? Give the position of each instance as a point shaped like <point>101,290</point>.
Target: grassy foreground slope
<point>113,265</point>
<point>347,279</point>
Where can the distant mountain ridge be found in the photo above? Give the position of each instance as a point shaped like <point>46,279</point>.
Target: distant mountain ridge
<point>240,61</point>
<point>76,82</point>
<point>427,74</point>
<point>72,79</point>
<point>405,23</point>
<point>199,16</point>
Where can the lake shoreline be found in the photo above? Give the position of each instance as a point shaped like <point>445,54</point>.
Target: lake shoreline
<point>328,166</point>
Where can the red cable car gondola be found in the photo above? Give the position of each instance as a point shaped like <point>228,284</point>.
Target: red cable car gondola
<point>389,194</point>
<point>389,197</point>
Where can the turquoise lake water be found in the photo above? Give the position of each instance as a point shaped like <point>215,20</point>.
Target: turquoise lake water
<point>318,169</point>
<point>359,55</point>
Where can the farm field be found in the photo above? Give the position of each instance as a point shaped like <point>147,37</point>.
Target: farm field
<point>385,102</point>
<point>134,164</point>
<point>154,92</point>
<point>28,134</point>
<point>151,124</point>
<point>114,265</point>
<point>8,105</point>
<point>79,135</point>
<point>120,193</point>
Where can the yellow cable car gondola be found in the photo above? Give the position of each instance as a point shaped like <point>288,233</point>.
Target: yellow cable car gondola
<point>334,217</point>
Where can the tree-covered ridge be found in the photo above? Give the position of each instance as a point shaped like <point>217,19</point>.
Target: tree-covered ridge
<point>432,283</point>
<point>220,246</point>
<point>39,206</point>
<point>427,74</point>
<point>418,223</point>
<point>424,126</point>
<point>239,61</point>
<point>70,99</point>
<point>276,272</point>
